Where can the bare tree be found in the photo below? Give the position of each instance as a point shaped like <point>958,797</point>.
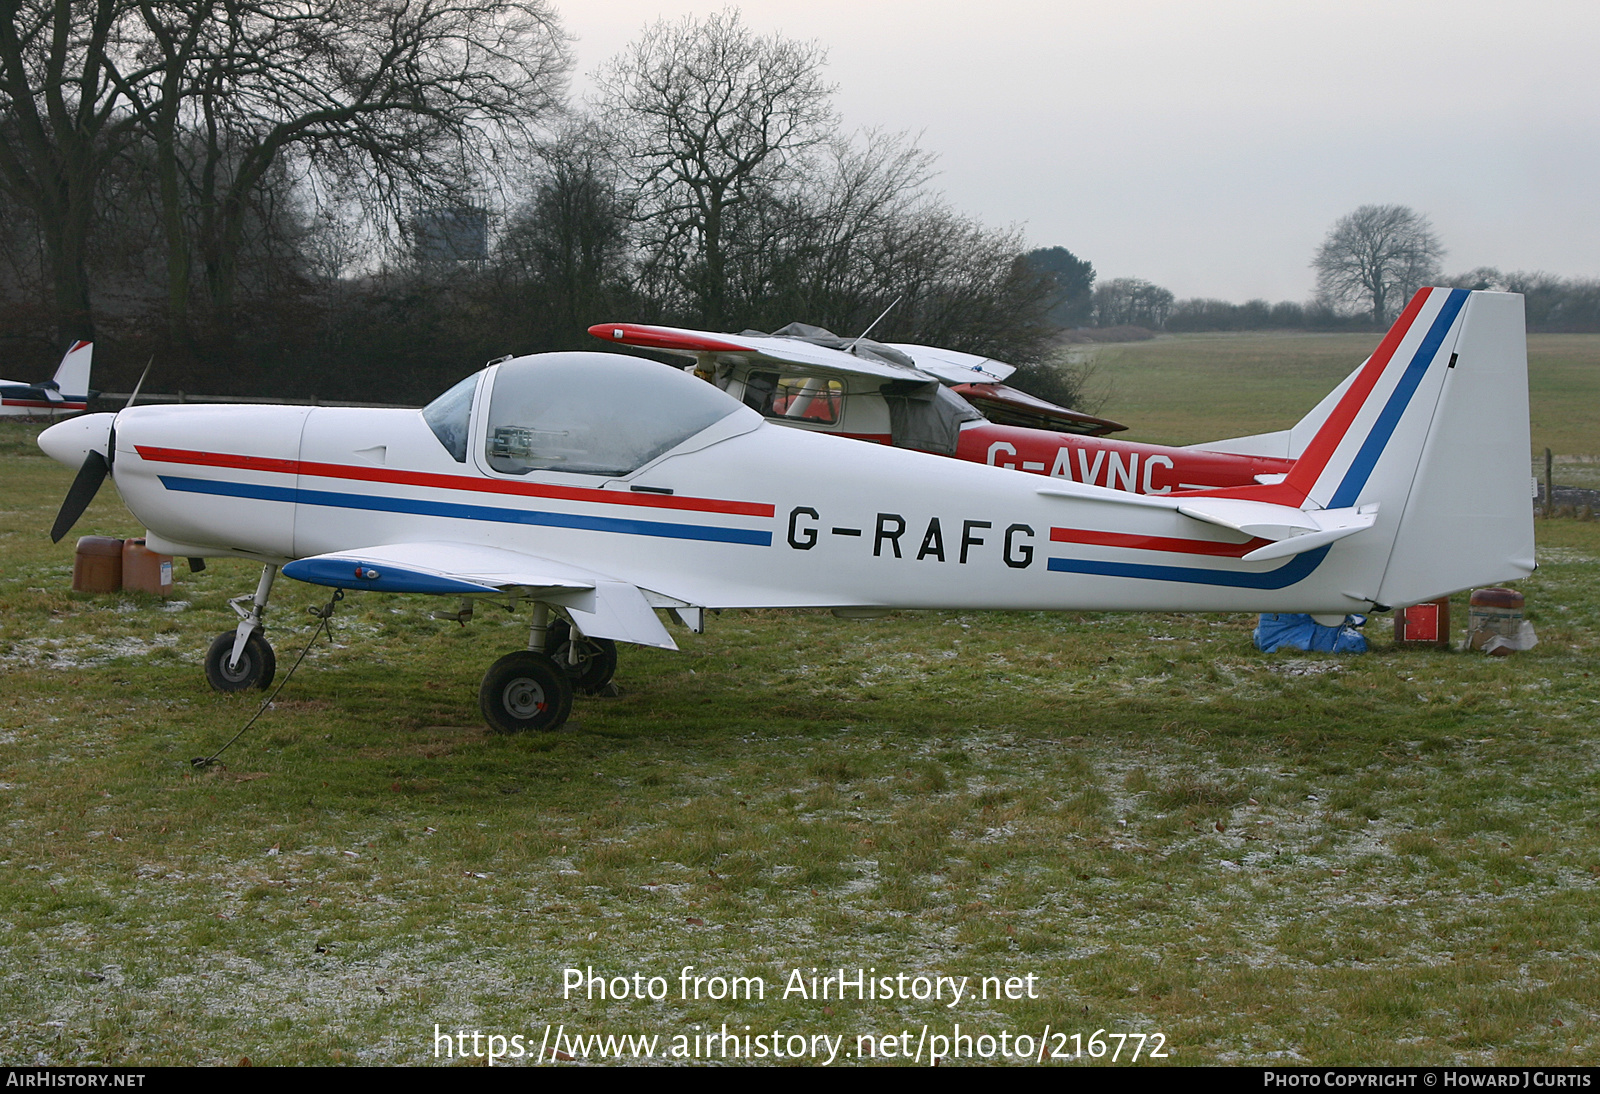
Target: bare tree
<point>231,102</point>
<point>709,120</point>
<point>856,230</point>
<point>825,253</point>
<point>65,68</point>
<point>561,262</point>
<point>1132,301</point>
<point>384,101</point>
<point>1376,257</point>
<point>961,284</point>
<point>751,209</point>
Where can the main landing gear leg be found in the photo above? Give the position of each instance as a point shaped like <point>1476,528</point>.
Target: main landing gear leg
<point>539,628</point>
<point>526,689</point>
<point>242,658</point>
<point>588,662</point>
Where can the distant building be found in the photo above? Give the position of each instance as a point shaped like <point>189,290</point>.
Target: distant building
<point>457,233</point>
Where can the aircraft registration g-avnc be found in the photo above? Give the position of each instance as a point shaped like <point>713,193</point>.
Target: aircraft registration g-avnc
<point>601,487</point>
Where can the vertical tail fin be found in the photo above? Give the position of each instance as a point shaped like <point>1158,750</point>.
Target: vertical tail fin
<point>72,378</point>
<point>1425,453</point>
<point>1468,519</point>
<point>1433,432</point>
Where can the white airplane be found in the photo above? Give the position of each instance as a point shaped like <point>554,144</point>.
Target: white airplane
<point>603,487</point>
<point>65,393</point>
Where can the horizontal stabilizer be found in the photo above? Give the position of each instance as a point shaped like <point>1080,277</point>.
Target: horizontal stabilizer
<point>1258,519</point>
<point>1293,531</point>
<point>1251,519</point>
<point>1333,524</point>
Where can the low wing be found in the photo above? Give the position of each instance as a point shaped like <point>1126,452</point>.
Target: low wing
<point>601,606</point>
<point>763,348</point>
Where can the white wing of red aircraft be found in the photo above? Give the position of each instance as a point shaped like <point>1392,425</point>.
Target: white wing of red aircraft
<point>807,378</point>
<point>603,487</point>
<point>65,393</point>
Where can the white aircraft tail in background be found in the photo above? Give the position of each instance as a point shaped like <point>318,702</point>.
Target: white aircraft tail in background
<point>65,393</point>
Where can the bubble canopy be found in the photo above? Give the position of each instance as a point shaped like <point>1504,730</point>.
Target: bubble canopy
<point>593,413</point>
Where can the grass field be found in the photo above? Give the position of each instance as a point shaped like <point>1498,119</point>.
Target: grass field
<point>1286,859</point>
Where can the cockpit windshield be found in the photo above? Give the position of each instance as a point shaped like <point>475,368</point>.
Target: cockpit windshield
<point>594,413</point>
<point>450,417</point>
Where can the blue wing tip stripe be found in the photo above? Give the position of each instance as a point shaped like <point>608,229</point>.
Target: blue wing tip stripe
<point>352,573</point>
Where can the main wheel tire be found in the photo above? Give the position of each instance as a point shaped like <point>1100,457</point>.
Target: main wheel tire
<point>256,668</point>
<point>525,691</point>
<point>597,657</point>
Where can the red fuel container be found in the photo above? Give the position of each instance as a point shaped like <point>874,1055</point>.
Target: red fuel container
<point>145,571</point>
<point>1424,624</point>
<point>97,565</point>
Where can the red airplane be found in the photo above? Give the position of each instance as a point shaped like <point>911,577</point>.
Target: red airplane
<point>954,404</point>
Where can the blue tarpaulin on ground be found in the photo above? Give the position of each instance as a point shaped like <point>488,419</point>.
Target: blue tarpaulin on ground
<point>1301,632</point>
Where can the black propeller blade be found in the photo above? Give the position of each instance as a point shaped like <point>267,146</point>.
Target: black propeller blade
<point>92,473</point>
<point>84,487</point>
<point>140,384</point>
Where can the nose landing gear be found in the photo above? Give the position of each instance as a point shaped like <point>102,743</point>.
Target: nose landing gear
<point>242,658</point>
<point>255,666</point>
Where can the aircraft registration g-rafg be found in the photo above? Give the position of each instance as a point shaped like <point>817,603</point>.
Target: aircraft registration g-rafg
<point>67,392</point>
<point>934,400</point>
<point>601,487</point>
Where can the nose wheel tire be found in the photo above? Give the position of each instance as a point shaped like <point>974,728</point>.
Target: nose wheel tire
<point>597,657</point>
<point>256,668</point>
<point>525,691</point>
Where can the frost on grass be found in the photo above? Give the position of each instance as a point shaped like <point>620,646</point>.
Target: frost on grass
<point>1549,555</point>
<point>81,651</point>
<point>1304,667</point>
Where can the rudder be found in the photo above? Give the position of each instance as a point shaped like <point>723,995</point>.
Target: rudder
<point>1468,519</point>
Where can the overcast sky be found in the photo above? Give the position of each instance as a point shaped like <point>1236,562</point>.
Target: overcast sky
<point>1208,145</point>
